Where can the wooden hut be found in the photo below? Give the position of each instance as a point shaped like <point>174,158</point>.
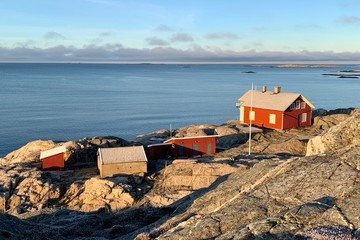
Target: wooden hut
<point>53,159</point>
<point>122,161</point>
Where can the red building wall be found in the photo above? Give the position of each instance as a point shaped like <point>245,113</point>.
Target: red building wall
<point>262,117</point>
<point>53,162</point>
<point>187,147</point>
<point>293,118</point>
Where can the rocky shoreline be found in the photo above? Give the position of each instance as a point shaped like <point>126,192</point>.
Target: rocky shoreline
<point>298,184</point>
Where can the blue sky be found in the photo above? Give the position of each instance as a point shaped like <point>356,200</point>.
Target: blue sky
<point>180,31</point>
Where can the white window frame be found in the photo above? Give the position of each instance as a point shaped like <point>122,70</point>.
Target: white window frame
<point>272,118</point>
<point>252,115</point>
<point>303,105</point>
<point>292,106</point>
<point>303,117</point>
<point>297,103</point>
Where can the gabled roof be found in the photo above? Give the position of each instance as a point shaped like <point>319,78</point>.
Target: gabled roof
<point>268,100</point>
<point>122,155</point>
<point>52,152</point>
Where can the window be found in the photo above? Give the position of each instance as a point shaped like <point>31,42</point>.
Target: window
<point>209,148</point>
<point>292,106</point>
<point>298,104</point>
<point>195,149</point>
<point>252,115</point>
<point>303,105</point>
<point>272,118</point>
<point>303,117</point>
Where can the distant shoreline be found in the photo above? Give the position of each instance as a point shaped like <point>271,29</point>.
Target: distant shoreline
<point>308,66</point>
<point>275,64</point>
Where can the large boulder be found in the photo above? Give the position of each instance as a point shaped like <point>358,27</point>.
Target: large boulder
<point>84,151</point>
<point>94,194</point>
<point>230,135</point>
<point>341,135</point>
<point>195,131</point>
<point>181,179</point>
<point>152,138</point>
<point>25,190</point>
<point>30,152</point>
<point>326,122</point>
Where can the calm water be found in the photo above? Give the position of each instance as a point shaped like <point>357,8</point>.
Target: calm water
<point>72,101</point>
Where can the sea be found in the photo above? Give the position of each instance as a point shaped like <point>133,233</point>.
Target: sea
<point>65,102</point>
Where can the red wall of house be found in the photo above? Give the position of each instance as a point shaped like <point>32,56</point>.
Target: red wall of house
<point>262,117</point>
<point>292,118</point>
<point>53,162</point>
<point>185,147</point>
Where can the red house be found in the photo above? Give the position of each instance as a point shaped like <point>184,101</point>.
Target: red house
<point>192,146</point>
<point>276,110</point>
<point>53,159</point>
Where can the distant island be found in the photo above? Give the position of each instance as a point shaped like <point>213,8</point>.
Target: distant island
<point>306,66</point>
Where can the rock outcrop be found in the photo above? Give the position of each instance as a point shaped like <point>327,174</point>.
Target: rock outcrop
<point>81,152</point>
<point>344,134</point>
<point>274,199</point>
<point>28,153</point>
<point>95,194</point>
<point>181,179</point>
<point>328,121</point>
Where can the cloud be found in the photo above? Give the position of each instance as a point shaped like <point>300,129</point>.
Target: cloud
<point>154,41</point>
<point>349,20</point>
<point>196,53</point>
<point>181,37</point>
<point>106,34</point>
<point>53,36</point>
<point>163,28</point>
<point>222,35</point>
<point>28,43</point>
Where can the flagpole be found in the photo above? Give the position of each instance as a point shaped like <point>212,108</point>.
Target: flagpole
<point>250,115</point>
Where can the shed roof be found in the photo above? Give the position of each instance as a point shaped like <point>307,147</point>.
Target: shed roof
<point>195,137</point>
<point>52,152</point>
<point>122,155</point>
<point>268,100</point>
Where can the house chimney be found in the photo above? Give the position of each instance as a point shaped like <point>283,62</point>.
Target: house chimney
<point>263,89</point>
<point>277,89</point>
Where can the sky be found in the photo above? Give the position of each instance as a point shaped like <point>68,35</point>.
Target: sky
<point>170,31</point>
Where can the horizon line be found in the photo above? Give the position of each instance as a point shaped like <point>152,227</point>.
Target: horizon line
<point>326,62</point>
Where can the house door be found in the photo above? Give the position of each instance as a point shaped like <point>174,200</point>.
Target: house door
<point>181,150</point>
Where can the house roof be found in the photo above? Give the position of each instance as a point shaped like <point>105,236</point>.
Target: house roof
<point>207,136</point>
<point>122,155</point>
<point>52,152</point>
<point>268,100</point>
<point>159,144</point>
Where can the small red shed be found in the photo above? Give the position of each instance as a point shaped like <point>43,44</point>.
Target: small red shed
<point>192,146</point>
<point>276,110</point>
<point>53,159</point>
